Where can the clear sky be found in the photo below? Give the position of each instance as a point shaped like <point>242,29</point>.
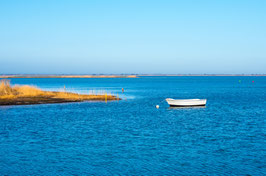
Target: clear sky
<point>132,36</point>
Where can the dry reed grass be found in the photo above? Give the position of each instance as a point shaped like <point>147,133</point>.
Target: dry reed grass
<point>32,95</point>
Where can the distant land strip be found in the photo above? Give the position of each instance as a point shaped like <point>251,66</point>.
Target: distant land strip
<point>67,76</point>
<point>202,75</point>
<point>6,76</point>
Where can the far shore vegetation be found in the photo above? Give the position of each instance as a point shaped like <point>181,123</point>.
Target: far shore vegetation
<point>23,95</point>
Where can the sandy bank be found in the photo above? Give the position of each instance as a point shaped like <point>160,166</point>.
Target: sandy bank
<point>67,76</point>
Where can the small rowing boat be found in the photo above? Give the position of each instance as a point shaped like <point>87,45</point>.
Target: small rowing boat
<point>185,102</point>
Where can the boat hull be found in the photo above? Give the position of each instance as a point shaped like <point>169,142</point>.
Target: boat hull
<point>186,102</point>
<point>188,105</point>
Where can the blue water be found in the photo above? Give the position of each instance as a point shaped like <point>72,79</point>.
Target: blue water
<point>132,137</point>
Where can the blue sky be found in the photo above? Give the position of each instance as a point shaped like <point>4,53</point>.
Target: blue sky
<point>132,36</point>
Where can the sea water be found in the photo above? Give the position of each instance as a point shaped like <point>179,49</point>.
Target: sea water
<point>132,136</point>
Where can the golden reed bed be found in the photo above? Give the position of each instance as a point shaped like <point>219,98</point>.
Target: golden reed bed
<point>24,95</point>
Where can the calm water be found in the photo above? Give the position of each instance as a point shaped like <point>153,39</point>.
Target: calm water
<point>132,137</point>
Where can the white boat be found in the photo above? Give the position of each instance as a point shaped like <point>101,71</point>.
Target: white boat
<point>186,102</point>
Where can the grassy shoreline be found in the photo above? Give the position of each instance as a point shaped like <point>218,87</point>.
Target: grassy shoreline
<point>26,95</point>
